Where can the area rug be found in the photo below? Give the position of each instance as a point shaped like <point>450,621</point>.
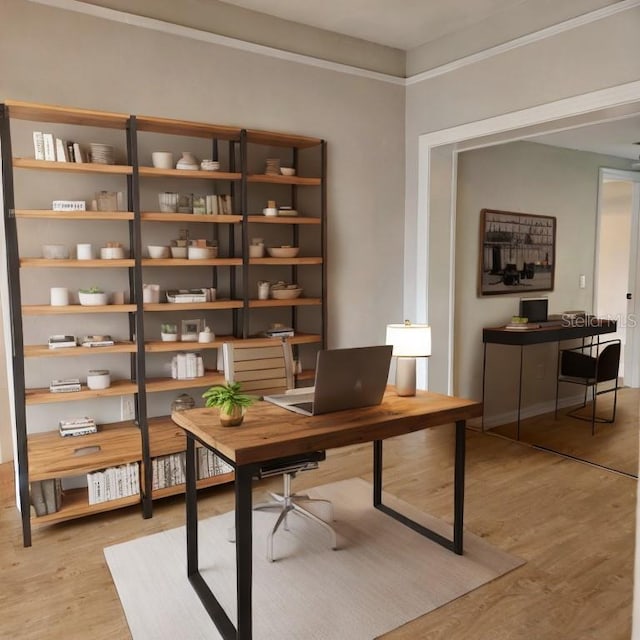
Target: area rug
<point>381,576</point>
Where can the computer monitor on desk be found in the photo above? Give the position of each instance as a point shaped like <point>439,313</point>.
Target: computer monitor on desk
<point>535,309</point>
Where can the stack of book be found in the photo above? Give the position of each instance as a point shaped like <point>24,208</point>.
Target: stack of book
<point>60,341</point>
<point>186,366</point>
<point>46,496</point>
<point>96,341</point>
<point>169,471</point>
<point>77,426</point>
<point>48,147</point>
<point>279,332</point>
<point>114,483</point>
<point>66,385</point>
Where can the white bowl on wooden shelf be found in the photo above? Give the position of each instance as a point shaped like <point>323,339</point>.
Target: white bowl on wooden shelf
<point>112,253</point>
<point>286,293</point>
<point>287,171</point>
<point>162,159</point>
<point>179,252</point>
<point>283,252</point>
<point>157,251</point>
<point>202,253</point>
<point>92,299</point>
<point>55,252</point>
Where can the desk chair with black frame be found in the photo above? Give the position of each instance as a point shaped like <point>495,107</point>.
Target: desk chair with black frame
<point>590,366</point>
<point>265,371</point>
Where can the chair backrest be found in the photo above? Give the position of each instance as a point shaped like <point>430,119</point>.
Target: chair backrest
<point>609,362</point>
<point>261,371</point>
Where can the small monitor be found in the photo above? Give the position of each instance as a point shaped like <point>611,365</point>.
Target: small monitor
<point>535,309</point>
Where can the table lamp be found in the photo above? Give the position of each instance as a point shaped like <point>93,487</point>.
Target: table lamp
<point>410,341</point>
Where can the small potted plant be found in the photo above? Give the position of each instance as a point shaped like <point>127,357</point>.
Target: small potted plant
<point>169,332</point>
<point>231,401</point>
<point>92,297</point>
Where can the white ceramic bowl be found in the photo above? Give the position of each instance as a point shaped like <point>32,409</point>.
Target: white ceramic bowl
<point>283,252</point>
<point>286,294</point>
<point>287,171</point>
<point>92,299</point>
<point>157,251</point>
<point>112,253</point>
<point>202,253</point>
<point>179,252</point>
<point>55,251</point>
<point>256,250</point>
<point>98,379</point>
<point>162,159</point>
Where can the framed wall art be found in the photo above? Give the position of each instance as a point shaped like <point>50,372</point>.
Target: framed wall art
<point>517,252</point>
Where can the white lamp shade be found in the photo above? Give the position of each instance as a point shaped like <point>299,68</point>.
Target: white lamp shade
<point>409,340</point>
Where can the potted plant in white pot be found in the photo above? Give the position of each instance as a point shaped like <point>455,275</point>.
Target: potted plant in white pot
<point>231,401</point>
<point>93,296</point>
<point>169,332</point>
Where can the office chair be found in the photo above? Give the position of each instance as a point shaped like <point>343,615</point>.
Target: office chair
<point>579,366</point>
<point>264,371</point>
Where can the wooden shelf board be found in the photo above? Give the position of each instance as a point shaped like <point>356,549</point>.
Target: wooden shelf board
<point>75,504</point>
<point>191,306</point>
<point>286,261</point>
<point>165,437</point>
<point>154,346</point>
<point>44,396</point>
<point>296,302</point>
<point>186,128</point>
<point>48,310</point>
<point>293,180</point>
<point>68,115</point>
<point>157,385</point>
<point>78,167</point>
<point>74,215</point>
<point>256,136</point>
<point>159,216</point>
<point>54,456</point>
<point>42,350</point>
<point>75,264</point>
<point>192,174</point>
<point>185,262</point>
<point>262,219</point>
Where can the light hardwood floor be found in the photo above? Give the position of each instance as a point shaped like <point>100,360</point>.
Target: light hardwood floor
<point>573,523</point>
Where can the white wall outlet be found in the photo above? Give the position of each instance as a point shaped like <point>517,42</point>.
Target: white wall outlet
<point>583,281</point>
<point>127,408</point>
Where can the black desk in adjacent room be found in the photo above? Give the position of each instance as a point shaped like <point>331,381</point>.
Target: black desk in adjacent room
<point>577,328</point>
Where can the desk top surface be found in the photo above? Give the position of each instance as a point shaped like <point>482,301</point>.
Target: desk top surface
<point>270,432</point>
<point>568,330</point>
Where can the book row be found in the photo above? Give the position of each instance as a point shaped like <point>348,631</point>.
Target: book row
<point>46,496</point>
<point>113,483</point>
<point>169,470</point>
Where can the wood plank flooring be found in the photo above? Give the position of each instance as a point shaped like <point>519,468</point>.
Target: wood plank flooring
<point>614,445</point>
<point>573,523</point>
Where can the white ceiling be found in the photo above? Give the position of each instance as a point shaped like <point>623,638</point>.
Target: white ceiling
<point>402,24</point>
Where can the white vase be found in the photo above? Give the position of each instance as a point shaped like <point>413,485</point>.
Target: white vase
<point>169,337</point>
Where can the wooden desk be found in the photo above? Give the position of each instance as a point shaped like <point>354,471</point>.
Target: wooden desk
<point>578,328</point>
<point>270,433</point>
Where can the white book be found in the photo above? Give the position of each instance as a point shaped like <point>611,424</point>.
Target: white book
<point>62,155</point>
<point>77,153</point>
<point>49,146</point>
<point>136,479</point>
<point>38,145</point>
<point>154,474</point>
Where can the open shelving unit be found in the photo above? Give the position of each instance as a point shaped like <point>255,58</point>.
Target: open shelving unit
<point>236,313</point>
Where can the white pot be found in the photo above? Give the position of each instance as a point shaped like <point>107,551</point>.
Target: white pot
<point>92,299</point>
<point>169,337</point>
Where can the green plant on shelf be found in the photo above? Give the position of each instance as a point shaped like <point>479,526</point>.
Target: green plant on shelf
<point>231,401</point>
<point>92,290</point>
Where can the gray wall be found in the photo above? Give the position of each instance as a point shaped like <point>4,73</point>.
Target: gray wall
<point>60,57</point>
<point>523,177</point>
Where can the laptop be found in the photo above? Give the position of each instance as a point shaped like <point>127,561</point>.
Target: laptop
<point>345,379</point>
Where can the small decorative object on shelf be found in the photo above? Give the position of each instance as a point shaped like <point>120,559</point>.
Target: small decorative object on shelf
<point>59,296</point>
<point>168,202</point>
<point>77,426</point>
<point>272,167</point>
<point>93,297</point>
<point>278,330</point>
<point>210,165</point>
<point>283,291</point>
<point>183,402</point>
<point>231,401</point>
<point>187,366</point>
<point>98,379</point>
<point>84,251</point>
<point>67,385</point>
<point>97,341</point>
<point>69,205</point>
<point>169,332</point>
<point>61,341</point>
<point>162,159</point>
<point>206,335</point>
<point>270,209</point>
<point>188,161</point>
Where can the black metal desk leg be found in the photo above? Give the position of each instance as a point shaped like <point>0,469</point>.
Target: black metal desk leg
<point>244,542</point>
<point>458,487</point>
<point>192,508</point>
<point>377,473</point>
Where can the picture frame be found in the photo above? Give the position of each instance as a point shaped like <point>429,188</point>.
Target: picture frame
<point>517,252</point>
<point>190,329</point>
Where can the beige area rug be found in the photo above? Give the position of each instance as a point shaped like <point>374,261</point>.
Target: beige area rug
<point>382,575</point>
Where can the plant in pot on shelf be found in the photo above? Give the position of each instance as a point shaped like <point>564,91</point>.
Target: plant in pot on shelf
<point>231,401</point>
<point>92,297</point>
<point>169,332</point>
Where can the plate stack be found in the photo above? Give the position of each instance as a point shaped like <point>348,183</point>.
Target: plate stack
<point>273,167</point>
<point>102,153</point>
